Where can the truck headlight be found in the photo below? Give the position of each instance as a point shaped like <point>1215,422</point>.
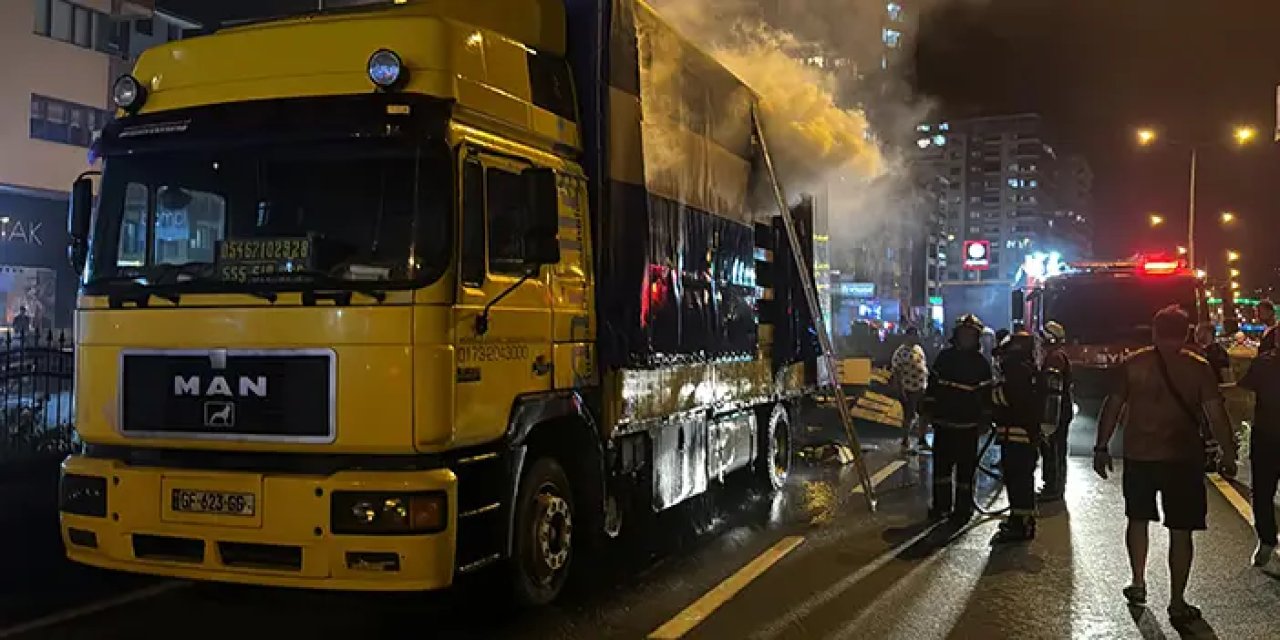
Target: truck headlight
<point>83,495</point>
<point>387,513</point>
<point>386,70</point>
<point>128,93</point>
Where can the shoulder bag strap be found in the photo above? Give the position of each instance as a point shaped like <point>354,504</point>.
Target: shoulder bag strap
<point>1212,450</point>
<point>1182,402</point>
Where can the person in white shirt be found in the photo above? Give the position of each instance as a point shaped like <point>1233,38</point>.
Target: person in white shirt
<point>910,375</point>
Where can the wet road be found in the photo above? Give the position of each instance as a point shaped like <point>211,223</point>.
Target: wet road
<point>808,563</point>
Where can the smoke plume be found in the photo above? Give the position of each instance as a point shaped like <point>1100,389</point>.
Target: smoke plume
<point>832,102</point>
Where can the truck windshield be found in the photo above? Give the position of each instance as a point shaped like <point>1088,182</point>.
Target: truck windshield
<point>275,217</point>
<point>1116,311</point>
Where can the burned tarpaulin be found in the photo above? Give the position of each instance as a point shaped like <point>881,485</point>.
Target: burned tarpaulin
<point>675,240</point>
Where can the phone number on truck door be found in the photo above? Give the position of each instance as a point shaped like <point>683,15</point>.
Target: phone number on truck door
<point>499,352</point>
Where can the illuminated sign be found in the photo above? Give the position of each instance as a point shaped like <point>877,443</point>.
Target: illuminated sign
<point>858,289</point>
<point>1039,265</point>
<point>977,255</point>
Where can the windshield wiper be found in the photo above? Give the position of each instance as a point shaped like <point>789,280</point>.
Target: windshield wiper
<point>343,295</point>
<point>138,296</point>
<point>162,285</point>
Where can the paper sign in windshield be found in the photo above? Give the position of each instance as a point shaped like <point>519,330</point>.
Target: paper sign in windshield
<point>264,259</point>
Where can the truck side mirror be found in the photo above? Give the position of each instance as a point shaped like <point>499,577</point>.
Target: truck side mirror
<point>79,215</point>
<point>1019,309</point>
<point>542,244</point>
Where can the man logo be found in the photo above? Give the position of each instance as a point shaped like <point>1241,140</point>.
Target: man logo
<point>219,415</point>
<point>245,386</point>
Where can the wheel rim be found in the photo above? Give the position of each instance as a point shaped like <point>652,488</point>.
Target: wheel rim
<point>553,534</point>
<point>780,465</point>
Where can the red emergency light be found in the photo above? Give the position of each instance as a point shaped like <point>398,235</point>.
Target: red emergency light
<point>1162,266</point>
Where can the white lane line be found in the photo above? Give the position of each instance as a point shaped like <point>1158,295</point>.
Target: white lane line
<point>91,608</point>
<point>882,475</point>
<point>694,614</point>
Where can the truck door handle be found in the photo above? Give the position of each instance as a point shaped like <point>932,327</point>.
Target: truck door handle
<point>541,366</point>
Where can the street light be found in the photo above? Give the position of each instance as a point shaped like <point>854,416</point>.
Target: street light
<point>1201,274</point>
<point>1233,256</point>
<point>1235,273</point>
<point>1228,217</point>
<point>1147,136</point>
<point>1245,134</point>
<point>1235,285</point>
<point>1156,219</point>
<point>1182,251</point>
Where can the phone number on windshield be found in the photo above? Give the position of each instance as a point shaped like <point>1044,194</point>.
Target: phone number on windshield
<point>284,249</point>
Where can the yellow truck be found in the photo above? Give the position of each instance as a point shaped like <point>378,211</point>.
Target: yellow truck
<point>376,298</point>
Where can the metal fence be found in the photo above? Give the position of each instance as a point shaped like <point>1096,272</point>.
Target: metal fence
<point>36,417</point>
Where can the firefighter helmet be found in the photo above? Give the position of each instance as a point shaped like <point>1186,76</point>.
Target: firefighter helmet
<point>1054,332</point>
<point>970,321</point>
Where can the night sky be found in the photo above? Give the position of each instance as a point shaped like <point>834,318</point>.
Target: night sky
<point>1096,69</point>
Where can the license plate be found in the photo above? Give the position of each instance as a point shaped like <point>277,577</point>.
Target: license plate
<point>216,502</point>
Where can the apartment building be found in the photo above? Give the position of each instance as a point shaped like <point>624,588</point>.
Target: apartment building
<point>60,57</point>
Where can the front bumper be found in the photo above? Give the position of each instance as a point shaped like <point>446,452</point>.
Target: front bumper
<point>287,542</point>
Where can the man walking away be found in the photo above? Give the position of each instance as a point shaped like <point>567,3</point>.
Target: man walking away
<point>1263,379</point>
<point>1054,449</point>
<point>1165,390</point>
<point>910,372</point>
<point>954,404</point>
<point>1267,318</point>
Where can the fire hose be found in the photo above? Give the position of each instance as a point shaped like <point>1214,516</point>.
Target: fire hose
<point>990,472</point>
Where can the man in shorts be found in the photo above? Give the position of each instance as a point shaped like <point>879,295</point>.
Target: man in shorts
<point>1164,389</point>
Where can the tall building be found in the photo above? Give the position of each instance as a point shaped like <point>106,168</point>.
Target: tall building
<point>1072,222</point>
<point>1007,189</point>
<point>60,58</point>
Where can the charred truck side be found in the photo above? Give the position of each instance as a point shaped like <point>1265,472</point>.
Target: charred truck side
<point>374,299</point>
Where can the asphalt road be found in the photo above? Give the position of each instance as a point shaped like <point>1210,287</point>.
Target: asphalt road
<point>811,562</point>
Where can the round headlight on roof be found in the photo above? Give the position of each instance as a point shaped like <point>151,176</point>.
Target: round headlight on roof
<point>128,93</point>
<point>386,70</point>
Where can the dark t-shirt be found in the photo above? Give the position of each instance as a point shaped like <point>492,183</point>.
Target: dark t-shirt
<point>1268,340</point>
<point>1263,379</point>
<point>1218,359</point>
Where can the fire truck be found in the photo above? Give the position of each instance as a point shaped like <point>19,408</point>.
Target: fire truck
<point>1106,309</point>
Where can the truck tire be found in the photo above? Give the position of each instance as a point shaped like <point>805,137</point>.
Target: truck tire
<point>773,465</point>
<point>543,537</point>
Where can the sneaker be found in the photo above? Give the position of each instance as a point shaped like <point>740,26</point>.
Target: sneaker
<point>1181,615</point>
<point>1049,496</point>
<point>1262,555</point>
<point>1136,595</point>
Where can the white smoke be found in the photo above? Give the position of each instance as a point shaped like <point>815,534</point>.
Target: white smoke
<point>809,77</point>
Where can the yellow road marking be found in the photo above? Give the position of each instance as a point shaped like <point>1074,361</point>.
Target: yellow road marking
<point>695,613</point>
<point>883,474</point>
<point>1229,492</point>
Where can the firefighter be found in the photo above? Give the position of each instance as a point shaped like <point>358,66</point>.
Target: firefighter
<point>1053,449</point>
<point>954,404</point>
<point>1016,409</point>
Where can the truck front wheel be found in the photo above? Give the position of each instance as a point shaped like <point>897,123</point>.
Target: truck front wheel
<point>543,545</point>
